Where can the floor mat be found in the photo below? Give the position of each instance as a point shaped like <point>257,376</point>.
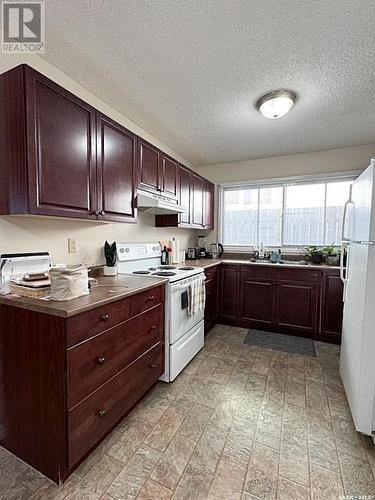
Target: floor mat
<point>281,342</point>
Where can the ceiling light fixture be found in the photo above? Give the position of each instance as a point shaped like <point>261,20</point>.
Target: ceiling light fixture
<point>276,104</point>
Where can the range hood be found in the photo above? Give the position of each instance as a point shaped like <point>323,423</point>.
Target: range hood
<point>157,204</point>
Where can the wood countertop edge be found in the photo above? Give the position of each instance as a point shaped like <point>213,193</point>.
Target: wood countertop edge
<point>205,264</point>
<point>49,307</point>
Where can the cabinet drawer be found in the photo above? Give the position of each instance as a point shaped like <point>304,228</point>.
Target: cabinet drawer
<point>143,301</point>
<point>309,275</point>
<point>85,325</point>
<point>97,415</point>
<point>211,272</point>
<point>258,271</point>
<point>93,362</point>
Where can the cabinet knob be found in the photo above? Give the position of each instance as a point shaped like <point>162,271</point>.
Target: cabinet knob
<point>151,297</point>
<point>152,365</point>
<point>102,413</point>
<point>105,317</point>
<point>100,360</point>
<point>101,212</point>
<point>153,327</point>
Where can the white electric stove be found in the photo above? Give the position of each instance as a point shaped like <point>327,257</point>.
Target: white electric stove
<point>184,334</point>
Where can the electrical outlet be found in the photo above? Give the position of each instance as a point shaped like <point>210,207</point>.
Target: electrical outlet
<point>72,245</point>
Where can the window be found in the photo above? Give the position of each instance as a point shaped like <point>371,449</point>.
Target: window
<point>285,213</point>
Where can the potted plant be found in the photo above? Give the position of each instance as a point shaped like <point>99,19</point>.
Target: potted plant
<point>332,255</point>
<point>314,254</point>
<point>110,257</point>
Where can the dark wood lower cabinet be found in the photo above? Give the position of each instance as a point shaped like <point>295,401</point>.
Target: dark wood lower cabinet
<point>295,301</point>
<point>331,306</point>
<point>229,292</point>
<point>257,299</point>
<point>296,306</point>
<point>212,298</point>
<point>65,383</point>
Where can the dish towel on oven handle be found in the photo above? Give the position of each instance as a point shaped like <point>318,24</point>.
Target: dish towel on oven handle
<point>197,296</point>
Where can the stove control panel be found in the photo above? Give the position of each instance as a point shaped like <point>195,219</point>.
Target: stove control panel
<point>137,251</point>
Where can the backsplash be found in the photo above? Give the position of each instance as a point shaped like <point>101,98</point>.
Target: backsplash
<point>31,234</point>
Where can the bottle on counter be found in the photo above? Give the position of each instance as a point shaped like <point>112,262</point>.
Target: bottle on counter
<point>164,256</point>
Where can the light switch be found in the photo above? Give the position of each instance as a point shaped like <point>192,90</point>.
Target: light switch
<point>72,245</point>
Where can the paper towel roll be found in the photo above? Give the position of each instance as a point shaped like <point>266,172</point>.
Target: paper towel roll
<point>175,246</point>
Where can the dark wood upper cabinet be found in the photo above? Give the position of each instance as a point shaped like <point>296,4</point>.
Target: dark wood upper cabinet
<point>197,201</point>
<point>184,195</point>
<point>331,304</point>
<point>61,149</point>
<point>169,177</point>
<point>116,170</point>
<point>150,178</point>
<point>208,205</point>
<point>59,156</point>
<point>63,157</point>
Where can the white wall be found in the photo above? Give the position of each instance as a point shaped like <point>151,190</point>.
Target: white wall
<point>19,234</point>
<point>320,162</point>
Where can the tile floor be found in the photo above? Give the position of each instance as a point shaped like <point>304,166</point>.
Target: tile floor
<point>238,423</point>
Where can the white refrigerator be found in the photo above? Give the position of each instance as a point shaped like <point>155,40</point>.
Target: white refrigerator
<point>357,362</point>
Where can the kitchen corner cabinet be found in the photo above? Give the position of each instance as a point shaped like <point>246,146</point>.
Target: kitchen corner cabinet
<point>212,297</point>
<point>59,156</point>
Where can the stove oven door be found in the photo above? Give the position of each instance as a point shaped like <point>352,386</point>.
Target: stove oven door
<point>180,322</point>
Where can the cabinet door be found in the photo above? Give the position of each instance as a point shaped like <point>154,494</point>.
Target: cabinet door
<point>208,206</point>
<point>61,150</point>
<point>229,289</point>
<point>184,197</point>
<point>257,301</point>
<point>332,305</point>
<point>197,201</point>
<point>116,169</point>
<point>212,301</point>
<point>150,177</point>
<point>297,305</point>
<point>169,177</point>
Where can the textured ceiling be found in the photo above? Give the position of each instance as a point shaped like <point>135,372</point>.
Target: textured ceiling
<point>189,71</point>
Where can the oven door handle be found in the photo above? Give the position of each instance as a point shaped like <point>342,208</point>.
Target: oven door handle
<point>178,288</point>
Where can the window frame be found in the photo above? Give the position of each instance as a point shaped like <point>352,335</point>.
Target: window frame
<point>350,175</point>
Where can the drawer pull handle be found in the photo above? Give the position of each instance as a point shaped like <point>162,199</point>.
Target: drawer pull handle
<point>105,317</point>
<point>100,360</point>
<point>154,327</point>
<point>151,297</point>
<point>102,413</point>
<point>153,365</point>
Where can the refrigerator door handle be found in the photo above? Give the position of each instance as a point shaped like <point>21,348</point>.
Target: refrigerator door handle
<point>349,202</point>
<point>343,270</point>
